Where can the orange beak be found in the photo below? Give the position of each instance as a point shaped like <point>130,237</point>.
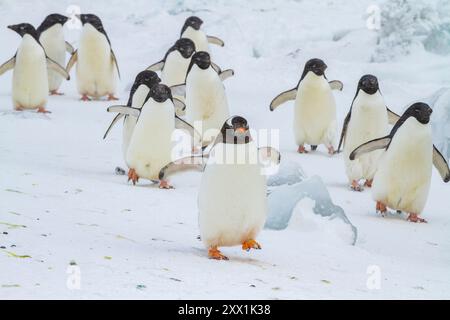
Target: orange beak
<point>241,130</point>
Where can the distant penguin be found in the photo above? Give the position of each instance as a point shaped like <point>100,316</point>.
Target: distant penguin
<point>175,63</point>
<point>191,29</point>
<point>51,36</point>
<point>367,119</point>
<point>315,107</point>
<point>402,180</point>
<point>232,199</point>
<point>150,144</point>
<point>97,67</point>
<point>30,63</point>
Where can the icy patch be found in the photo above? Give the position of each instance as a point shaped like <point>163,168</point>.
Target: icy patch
<point>289,173</point>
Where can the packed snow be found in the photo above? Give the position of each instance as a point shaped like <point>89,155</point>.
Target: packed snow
<point>71,228</point>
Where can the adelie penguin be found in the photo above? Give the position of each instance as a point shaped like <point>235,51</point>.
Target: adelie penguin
<point>315,107</point>
<point>367,119</point>
<point>97,69</point>
<point>232,199</point>
<point>150,145</point>
<point>51,36</point>
<point>402,180</point>
<point>192,30</point>
<point>30,76</point>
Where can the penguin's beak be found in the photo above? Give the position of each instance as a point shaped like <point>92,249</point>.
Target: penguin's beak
<point>241,130</point>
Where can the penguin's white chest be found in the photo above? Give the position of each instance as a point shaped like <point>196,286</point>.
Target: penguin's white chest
<point>315,112</point>
<point>198,37</point>
<point>368,121</point>
<point>403,177</point>
<point>30,81</point>
<point>151,141</point>
<point>53,42</point>
<point>232,199</point>
<point>175,68</point>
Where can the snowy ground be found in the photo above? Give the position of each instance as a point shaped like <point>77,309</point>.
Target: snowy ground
<point>61,204</point>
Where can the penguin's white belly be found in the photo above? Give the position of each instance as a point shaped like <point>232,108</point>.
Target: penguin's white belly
<point>30,82</point>
<point>175,68</point>
<point>198,37</point>
<point>96,75</point>
<point>150,145</point>
<point>402,180</point>
<point>232,203</point>
<point>315,115</point>
<point>55,47</point>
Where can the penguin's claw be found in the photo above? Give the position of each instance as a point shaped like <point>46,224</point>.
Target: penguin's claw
<point>355,186</point>
<point>18,109</point>
<point>251,244</point>
<point>56,93</point>
<point>112,98</point>
<point>214,253</point>
<point>381,208</point>
<point>331,150</point>
<point>302,149</point>
<point>414,217</point>
<point>85,97</point>
<point>368,183</point>
<point>43,110</point>
<point>132,176</point>
<point>165,185</point>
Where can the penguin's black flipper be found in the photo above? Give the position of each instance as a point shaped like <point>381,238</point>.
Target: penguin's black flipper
<point>344,130</point>
<point>282,98</point>
<point>53,65</point>
<point>69,48</point>
<point>336,85</point>
<point>116,118</point>
<point>196,163</point>
<point>183,125</point>
<point>72,61</point>
<point>441,165</point>
<point>224,75</point>
<point>381,143</point>
<point>156,66</point>
<point>8,65</point>
<point>114,59</point>
<point>392,116</point>
<point>216,41</point>
<point>216,68</point>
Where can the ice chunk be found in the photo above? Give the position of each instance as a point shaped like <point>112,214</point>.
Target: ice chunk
<point>283,199</point>
<point>289,172</point>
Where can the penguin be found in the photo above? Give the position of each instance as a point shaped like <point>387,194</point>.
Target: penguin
<point>232,200</point>
<point>30,63</point>
<point>315,107</point>
<point>150,144</point>
<point>402,180</point>
<point>175,63</point>
<point>367,119</point>
<point>97,67</point>
<point>51,36</point>
<point>191,30</point>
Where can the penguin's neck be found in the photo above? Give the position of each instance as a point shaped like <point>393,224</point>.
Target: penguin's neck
<point>312,80</point>
<point>369,102</point>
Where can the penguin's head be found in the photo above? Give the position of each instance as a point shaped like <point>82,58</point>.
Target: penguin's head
<point>185,47</point>
<point>369,84</point>
<point>23,29</point>
<point>316,66</point>
<point>147,77</point>
<point>236,130</point>
<point>193,22</point>
<point>201,59</point>
<point>160,93</point>
<point>53,19</point>
<point>92,19</point>
<point>421,111</point>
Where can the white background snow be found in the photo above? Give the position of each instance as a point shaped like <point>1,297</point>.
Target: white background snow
<point>60,202</point>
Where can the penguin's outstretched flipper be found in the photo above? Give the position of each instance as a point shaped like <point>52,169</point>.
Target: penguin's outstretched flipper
<point>183,125</point>
<point>156,66</point>
<point>381,143</point>
<point>344,131</point>
<point>114,60</point>
<point>196,163</point>
<point>115,120</point>
<point>180,106</point>
<point>178,90</point>
<point>72,61</point>
<point>53,65</point>
<point>8,65</point>
<point>336,85</point>
<point>441,165</point>
<point>224,75</point>
<point>216,41</point>
<point>125,110</point>
<point>392,116</point>
<point>282,98</point>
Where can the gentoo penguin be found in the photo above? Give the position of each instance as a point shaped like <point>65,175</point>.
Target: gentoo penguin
<point>191,30</point>
<point>97,67</point>
<point>232,199</point>
<point>150,145</point>
<point>367,119</point>
<point>30,63</point>
<point>315,108</point>
<point>175,63</point>
<point>402,180</point>
<point>51,36</point>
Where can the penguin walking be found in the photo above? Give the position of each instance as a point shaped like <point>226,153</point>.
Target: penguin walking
<point>232,198</point>
<point>191,30</point>
<point>402,180</point>
<point>315,107</point>
<point>30,76</point>
<point>150,145</point>
<point>97,67</point>
<point>51,36</point>
<point>367,119</point>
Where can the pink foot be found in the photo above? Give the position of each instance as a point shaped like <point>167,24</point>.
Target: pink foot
<point>302,149</point>
<point>85,97</point>
<point>163,184</point>
<point>111,97</point>
<point>56,93</point>
<point>414,217</point>
<point>43,110</point>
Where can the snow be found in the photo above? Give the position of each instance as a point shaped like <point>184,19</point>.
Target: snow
<point>64,210</point>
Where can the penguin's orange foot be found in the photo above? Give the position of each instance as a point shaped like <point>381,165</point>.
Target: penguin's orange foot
<point>355,186</point>
<point>112,98</point>
<point>368,183</point>
<point>214,253</point>
<point>302,149</point>
<point>414,217</point>
<point>56,93</point>
<point>18,108</point>
<point>251,244</point>
<point>85,97</point>
<point>132,176</point>
<point>331,150</point>
<point>43,110</point>
<point>381,208</point>
<point>163,184</point>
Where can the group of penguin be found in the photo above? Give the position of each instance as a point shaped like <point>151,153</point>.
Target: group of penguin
<point>232,201</point>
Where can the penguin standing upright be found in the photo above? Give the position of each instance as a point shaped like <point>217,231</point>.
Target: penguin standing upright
<point>367,119</point>
<point>191,29</point>
<point>232,199</point>
<point>51,36</point>
<point>97,67</point>
<point>402,180</point>
<point>30,63</point>
<point>315,107</point>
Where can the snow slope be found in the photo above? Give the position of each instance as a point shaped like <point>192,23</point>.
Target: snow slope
<point>61,204</point>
